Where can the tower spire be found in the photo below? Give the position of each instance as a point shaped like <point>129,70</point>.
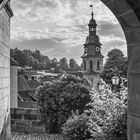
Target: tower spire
<point>92,11</point>
<point>92,14</point>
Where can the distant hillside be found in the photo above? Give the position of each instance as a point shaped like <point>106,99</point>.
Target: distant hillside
<point>35,60</point>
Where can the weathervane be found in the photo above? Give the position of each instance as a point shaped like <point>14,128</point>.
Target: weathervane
<point>91,10</point>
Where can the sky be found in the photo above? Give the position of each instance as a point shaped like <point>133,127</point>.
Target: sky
<point>58,28</point>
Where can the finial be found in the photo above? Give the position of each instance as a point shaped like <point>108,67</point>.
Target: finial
<point>92,14</point>
<point>92,10</point>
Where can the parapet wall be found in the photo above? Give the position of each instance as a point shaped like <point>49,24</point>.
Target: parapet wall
<point>26,120</point>
<point>4,75</point>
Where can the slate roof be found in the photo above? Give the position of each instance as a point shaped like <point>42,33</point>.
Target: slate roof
<point>13,62</point>
<point>33,84</point>
<point>47,78</point>
<point>30,73</point>
<point>26,96</point>
<point>76,73</point>
<point>22,84</point>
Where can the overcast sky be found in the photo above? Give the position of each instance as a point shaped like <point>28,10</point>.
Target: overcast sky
<point>58,28</point>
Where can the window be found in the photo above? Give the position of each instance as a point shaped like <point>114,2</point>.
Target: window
<point>86,49</point>
<point>84,65</point>
<point>91,65</point>
<point>98,65</point>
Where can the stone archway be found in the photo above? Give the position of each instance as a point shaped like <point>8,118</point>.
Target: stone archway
<point>128,14</point>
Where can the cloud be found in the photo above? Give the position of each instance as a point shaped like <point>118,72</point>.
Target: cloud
<point>60,27</point>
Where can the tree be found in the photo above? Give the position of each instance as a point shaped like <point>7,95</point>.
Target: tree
<point>73,65</point>
<point>57,101</point>
<point>104,119</point>
<point>30,58</point>
<point>54,63</point>
<point>115,64</point>
<point>63,64</point>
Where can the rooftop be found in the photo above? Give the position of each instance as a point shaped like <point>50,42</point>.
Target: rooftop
<point>22,84</point>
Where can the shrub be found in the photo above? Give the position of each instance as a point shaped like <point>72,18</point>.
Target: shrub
<point>117,129</point>
<point>105,118</point>
<point>76,127</point>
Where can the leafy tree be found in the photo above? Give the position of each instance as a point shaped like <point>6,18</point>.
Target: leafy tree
<point>63,64</point>
<point>76,127</point>
<point>115,64</point>
<point>53,63</point>
<point>105,118</point>
<point>73,65</point>
<point>18,56</point>
<point>38,61</point>
<point>57,101</point>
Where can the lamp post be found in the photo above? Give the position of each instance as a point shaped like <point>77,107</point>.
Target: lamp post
<point>115,81</point>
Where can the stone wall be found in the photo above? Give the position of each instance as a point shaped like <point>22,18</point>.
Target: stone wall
<point>26,120</point>
<point>128,14</point>
<point>13,87</point>
<point>4,74</point>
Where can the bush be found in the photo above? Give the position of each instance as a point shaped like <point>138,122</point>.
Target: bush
<point>117,129</point>
<point>76,128</point>
<point>104,120</point>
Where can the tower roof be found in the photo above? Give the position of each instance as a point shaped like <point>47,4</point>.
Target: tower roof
<point>92,21</point>
<point>93,40</point>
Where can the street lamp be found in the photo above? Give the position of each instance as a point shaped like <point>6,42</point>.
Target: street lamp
<point>115,82</point>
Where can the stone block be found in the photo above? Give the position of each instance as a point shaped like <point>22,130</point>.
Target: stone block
<point>134,86</point>
<point>132,36</point>
<point>134,127</point>
<point>134,106</point>
<point>133,59</point>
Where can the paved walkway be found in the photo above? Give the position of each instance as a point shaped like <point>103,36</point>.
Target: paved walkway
<point>34,136</point>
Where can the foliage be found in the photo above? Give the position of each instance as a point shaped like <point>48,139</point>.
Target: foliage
<point>117,129</point>
<point>58,99</point>
<point>115,64</point>
<point>63,64</point>
<point>76,127</point>
<point>106,107</point>
<point>73,65</point>
<point>105,116</point>
<point>36,60</point>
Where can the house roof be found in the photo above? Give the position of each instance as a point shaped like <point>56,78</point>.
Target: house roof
<point>47,78</point>
<point>76,73</point>
<point>31,73</point>
<point>22,84</point>
<point>13,62</point>
<point>33,84</point>
<point>25,96</point>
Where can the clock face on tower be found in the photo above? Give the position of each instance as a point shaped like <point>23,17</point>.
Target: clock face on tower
<point>97,49</point>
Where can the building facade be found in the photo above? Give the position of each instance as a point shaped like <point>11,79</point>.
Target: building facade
<point>5,15</point>
<point>92,57</point>
<point>13,84</point>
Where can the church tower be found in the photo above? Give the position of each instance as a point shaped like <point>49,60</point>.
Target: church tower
<point>92,57</point>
